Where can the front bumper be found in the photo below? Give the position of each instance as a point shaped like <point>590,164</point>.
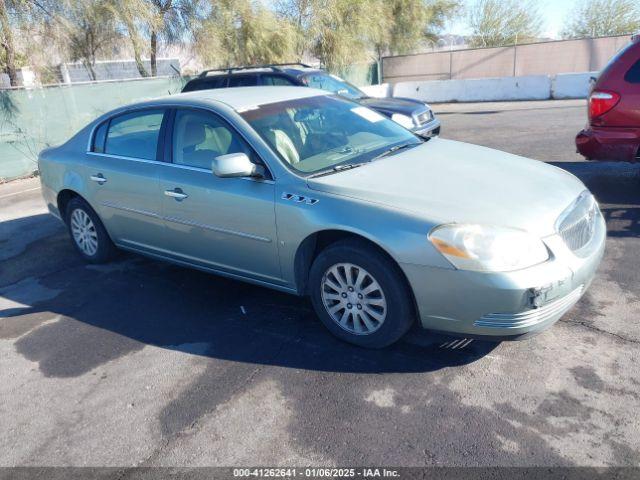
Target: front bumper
<point>430,129</point>
<point>501,305</point>
<point>608,143</point>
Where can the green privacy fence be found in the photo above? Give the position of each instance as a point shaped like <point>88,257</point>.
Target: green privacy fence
<point>33,119</point>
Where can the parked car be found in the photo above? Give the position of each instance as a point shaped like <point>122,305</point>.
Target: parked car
<point>312,194</point>
<point>613,132</point>
<point>412,114</point>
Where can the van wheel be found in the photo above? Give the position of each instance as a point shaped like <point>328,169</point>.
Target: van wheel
<point>360,295</point>
<point>87,232</point>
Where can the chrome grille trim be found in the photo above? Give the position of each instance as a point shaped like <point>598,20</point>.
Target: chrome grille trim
<point>577,224</point>
<point>531,317</point>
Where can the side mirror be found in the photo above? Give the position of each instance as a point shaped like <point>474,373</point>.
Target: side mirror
<point>235,165</point>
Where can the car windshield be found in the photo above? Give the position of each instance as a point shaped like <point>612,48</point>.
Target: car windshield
<point>319,133</point>
<point>333,84</point>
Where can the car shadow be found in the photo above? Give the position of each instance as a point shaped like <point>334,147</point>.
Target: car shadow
<point>71,317</point>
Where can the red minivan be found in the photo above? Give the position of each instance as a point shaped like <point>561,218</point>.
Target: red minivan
<point>613,132</point>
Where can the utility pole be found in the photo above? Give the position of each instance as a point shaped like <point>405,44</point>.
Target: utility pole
<point>515,55</point>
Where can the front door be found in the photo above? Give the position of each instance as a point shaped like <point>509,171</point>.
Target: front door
<point>122,178</point>
<point>227,224</point>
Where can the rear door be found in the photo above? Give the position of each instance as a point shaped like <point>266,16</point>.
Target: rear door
<point>122,170</point>
<point>227,224</point>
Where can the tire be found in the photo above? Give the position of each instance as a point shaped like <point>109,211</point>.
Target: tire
<point>378,304</point>
<point>87,232</point>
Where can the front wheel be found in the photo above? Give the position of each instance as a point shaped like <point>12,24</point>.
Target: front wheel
<point>360,295</point>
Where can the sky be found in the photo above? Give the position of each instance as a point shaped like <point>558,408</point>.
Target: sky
<point>554,12</point>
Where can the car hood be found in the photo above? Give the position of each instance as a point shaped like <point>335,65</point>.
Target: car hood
<point>446,181</point>
<point>395,105</point>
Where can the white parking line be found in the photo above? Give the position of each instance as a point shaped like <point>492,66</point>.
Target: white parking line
<point>18,193</point>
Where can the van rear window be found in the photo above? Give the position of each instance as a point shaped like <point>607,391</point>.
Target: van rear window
<point>633,74</point>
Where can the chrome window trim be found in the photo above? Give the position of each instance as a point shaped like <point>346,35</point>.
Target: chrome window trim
<point>174,165</point>
<point>167,107</point>
<point>125,111</point>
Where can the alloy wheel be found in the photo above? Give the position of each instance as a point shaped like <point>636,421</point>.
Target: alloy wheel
<point>353,299</point>
<point>84,232</point>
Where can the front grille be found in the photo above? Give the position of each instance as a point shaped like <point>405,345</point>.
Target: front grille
<point>528,318</point>
<point>424,117</point>
<point>577,224</point>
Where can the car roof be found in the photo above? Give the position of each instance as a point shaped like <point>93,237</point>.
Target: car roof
<point>257,70</point>
<point>236,98</point>
<point>242,98</point>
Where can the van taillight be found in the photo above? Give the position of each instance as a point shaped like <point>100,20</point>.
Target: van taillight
<point>600,102</point>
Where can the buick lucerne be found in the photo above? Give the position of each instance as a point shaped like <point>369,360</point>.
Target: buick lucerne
<point>309,193</point>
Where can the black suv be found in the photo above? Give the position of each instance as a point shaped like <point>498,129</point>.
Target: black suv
<point>412,114</point>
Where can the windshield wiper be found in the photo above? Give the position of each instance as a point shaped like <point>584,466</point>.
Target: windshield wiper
<point>336,169</point>
<point>396,148</point>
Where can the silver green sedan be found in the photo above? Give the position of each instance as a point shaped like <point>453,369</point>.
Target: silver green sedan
<point>308,193</point>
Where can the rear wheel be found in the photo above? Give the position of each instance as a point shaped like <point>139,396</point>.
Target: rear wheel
<point>360,295</point>
<point>87,232</point>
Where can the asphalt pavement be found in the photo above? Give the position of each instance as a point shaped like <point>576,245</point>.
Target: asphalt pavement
<point>141,363</point>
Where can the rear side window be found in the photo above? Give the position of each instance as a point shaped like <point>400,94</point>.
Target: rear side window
<point>633,74</point>
<point>243,81</point>
<point>205,84</point>
<point>99,138</point>
<point>276,80</point>
<point>135,134</point>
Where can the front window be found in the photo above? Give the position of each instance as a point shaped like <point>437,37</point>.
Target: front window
<point>319,133</point>
<point>333,84</point>
<point>199,137</point>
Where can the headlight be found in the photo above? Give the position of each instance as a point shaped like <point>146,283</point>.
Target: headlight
<point>484,248</point>
<point>404,120</point>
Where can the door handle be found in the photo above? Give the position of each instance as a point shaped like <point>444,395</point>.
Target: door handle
<point>177,193</point>
<point>98,178</point>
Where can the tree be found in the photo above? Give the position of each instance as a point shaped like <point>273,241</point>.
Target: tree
<point>408,23</point>
<point>341,32</point>
<point>300,14</point>
<point>244,32</point>
<point>599,18</point>
<point>496,23</point>
<point>8,44</point>
<point>90,28</point>
<point>173,21</point>
<point>134,15</point>
<point>86,28</point>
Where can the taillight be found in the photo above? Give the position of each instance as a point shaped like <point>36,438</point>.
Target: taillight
<point>600,102</point>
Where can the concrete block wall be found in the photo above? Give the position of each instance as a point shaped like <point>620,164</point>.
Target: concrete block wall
<point>572,85</point>
<point>536,87</point>
<point>529,87</point>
